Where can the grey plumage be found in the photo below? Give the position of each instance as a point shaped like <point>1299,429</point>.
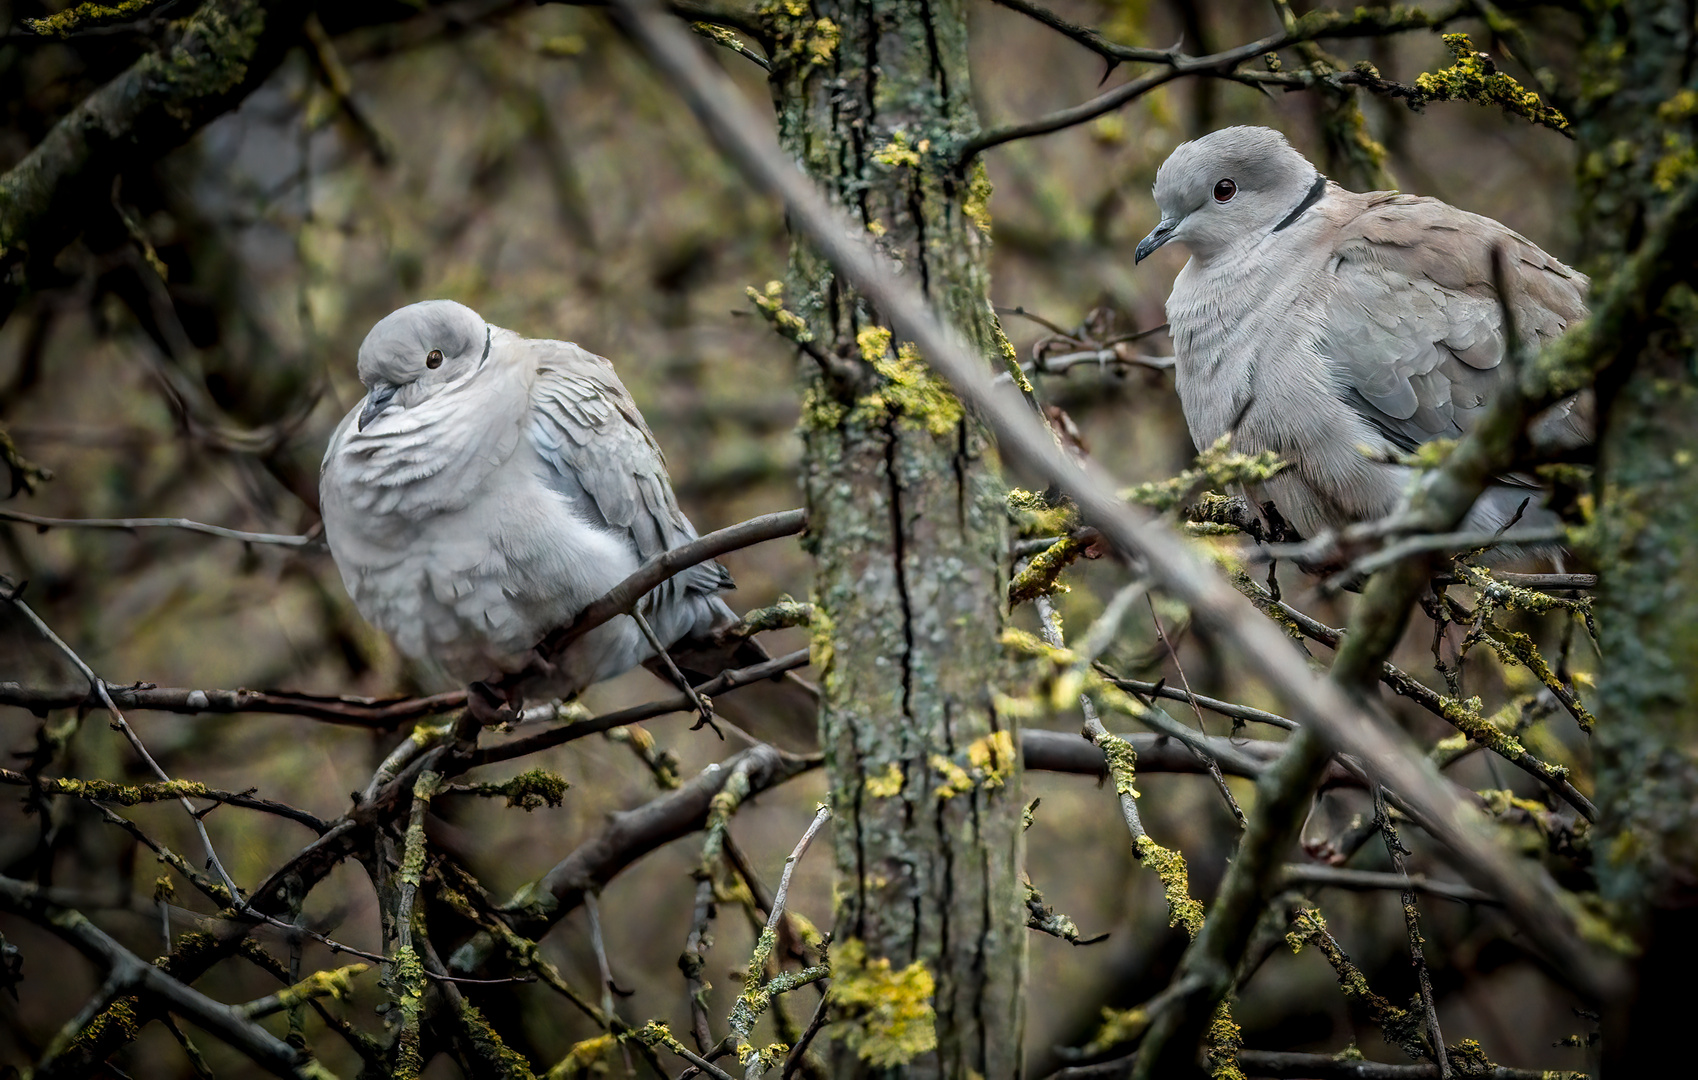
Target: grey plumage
<point>489,487</point>
<point>1336,328</point>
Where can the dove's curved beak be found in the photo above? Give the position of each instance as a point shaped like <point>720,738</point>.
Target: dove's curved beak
<point>1160,235</point>
<point>376,401</point>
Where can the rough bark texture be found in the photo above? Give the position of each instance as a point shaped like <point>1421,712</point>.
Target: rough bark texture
<point>1638,137</point>
<point>906,521</point>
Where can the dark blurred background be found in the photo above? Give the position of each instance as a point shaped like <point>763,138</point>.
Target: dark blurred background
<point>197,346</point>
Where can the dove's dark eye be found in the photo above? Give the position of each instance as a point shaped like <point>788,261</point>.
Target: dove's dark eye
<point>1225,190</point>
<point>434,360</point>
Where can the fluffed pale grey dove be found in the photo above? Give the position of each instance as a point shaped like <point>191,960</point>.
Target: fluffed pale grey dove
<point>1338,328</point>
<point>489,487</point>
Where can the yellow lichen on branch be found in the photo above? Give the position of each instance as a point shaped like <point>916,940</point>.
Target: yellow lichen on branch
<point>89,16</point>
<point>1216,468</point>
<point>1224,1039</point>
<point>1169,865</point>
<point>583,1060</point>
<point>529,790</point>
<point>1475,77</point>
<point>1042,573</point>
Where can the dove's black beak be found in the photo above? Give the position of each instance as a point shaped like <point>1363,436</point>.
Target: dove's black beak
<point>1158,236</point>
<point>376,401</point>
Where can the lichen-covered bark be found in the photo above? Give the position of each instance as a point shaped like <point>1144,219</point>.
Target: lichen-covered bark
<point>1638,134</point>
<point>907,525</point>
<point>223,52</point>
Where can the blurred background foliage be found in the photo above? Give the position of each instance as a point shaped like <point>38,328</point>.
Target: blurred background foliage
<point>197,346</point>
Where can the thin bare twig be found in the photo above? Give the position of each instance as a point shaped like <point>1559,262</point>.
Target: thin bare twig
<point>42,524</point>
<point>1412,924</point>
<point>719,684</point>
<point>1208,759</point>
<point>1367,880</point>
<point>380,713</point>
<point>97,688</point>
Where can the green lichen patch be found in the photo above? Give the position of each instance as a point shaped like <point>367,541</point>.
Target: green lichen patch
<point>784,613</point>
<point>124,794</point>
<point>800,42</point>
<point>821,641</point>
<point>1474,77</point>
<point>908,390</point>
<point>898,152</point>
<point>1465,717</point>
<point>975,202</point>
<point>991,761</point>
<point>1034,515</point>
<point>884,1016</point>
<point>487,1049</point>
<point>887,784</point>
<point>1119,1026</point>
<point>584,1060</point>
<point>336,984</point>
<point>770,303</point>
<point>22,474</point>
<point>993,758</point>
<point>1216,468</point>
<point>406,988</point>
<point>83,17</point>
<point>1402,1027</point>
<point>1222,1041</point>
<point>1042,574</point>
<point>1122,763</point>
<point>529,790</point>
<point>1010,358</point>
<point>956,780</point>
<point>1169,865</point>
<point>117,1023</point>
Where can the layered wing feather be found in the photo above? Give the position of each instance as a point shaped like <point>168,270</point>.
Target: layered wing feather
<point>601,457</point>
<point>1413,330</point>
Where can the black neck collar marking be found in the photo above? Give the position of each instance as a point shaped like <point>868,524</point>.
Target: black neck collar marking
<point>485,355</point>
<point>1316,190</point>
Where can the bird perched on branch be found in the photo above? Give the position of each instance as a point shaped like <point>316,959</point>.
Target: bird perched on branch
<point>489,487</point>
<point>1341,329</point>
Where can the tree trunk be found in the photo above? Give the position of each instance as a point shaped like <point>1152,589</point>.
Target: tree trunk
<point>1637,137</point>
<point>907,524</point>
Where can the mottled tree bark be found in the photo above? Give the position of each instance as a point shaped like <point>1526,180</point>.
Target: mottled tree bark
<point>907,524</point>
<point>1638,135</point>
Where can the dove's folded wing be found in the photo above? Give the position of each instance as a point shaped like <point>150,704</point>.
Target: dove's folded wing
<point>1413,331</point>
<point>602,458</point>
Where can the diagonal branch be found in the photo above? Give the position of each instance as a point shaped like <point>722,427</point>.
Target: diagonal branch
<point>131,972</point>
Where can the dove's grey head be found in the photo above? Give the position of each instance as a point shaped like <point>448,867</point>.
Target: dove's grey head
<point>416,351</point>
<point>1230,185</point>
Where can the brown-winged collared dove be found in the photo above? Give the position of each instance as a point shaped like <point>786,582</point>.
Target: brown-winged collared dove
<point>489,487</point>
<point>1338,328</point>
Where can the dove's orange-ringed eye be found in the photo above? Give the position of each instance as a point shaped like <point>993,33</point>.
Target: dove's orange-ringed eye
<point>1225,190</point>
<point>434,360</point>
